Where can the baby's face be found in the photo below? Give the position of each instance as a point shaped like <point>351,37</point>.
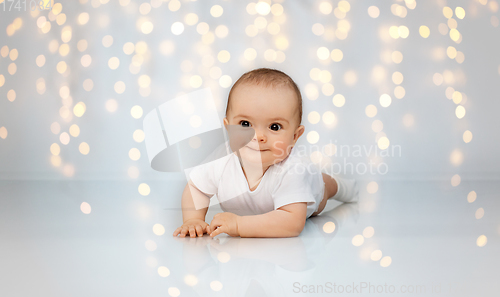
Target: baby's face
<point>273,114</point>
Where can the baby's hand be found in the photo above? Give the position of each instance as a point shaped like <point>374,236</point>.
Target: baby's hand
<point>226,222</point>
<point>193,226</point>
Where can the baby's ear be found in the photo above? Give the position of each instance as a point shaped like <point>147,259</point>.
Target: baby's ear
<point>298,132</point>
<point>226,122</point>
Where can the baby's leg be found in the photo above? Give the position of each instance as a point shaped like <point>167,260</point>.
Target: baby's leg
<point>340,189</point>
<point>331,188</point>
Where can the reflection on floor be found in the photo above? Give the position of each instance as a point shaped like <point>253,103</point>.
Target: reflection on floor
<point>411,238</point>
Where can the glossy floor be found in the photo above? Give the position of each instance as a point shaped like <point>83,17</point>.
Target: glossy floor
<point>412,237</point>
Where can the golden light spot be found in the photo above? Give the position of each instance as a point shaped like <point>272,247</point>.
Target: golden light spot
<point>385,100</point>
<point>313,117</point>
<point>329,118</point>
<point>479,213</point>
<point>394,32</point>
<point>11,95</point>
<point>221,31</point>
<point>452,23</point>
<point>492,5</point>
<point>339,13</point>
<point>225,81</point>
<point>454,35</point>
<point>61,19</point>
<point>323,53</point>
<point>85,208</point>
<point>337,55</point>
<point>329,227</point>
<point>195,81</point>
<point>191,19</point>
<point>312,137</point>
<point>128,48</point>
<point>383,143</point>
<point>373,12</point>
<point>177,28</point>
<point>377,126</point>
<point>481,240</point>
<point>328,89</point>
<point>144,81</point>
<point>12,68</point>
<point>83,18</point>
<point>371,111</point>
<point>447,12</point>
<point>17,23</point>
<point>134,154</point>
<point>262,8</point>
<point>281,43</point>
<point>315,72</point>
<point>408,120</point>
<point>3,132</point>
<point>158,229</point>
<point>40,60</point>
<point>46,27</point>
<point>55,128</point>
<point>467,136</point>
<point>217,10</point>
<point>460,57</point>
<point>13,54</point>
<point>174,5</point>
<point>358,240</point>
<point>55,161</point>
<point>223,56</point>
<point>223,257</point>
<point>88,85</point>
<point>457,97</point>
<point>397,57</point>
<point>190,279</point>
<point>372,187</point>
<point>74,130</point>
<point>147,27</point>
<point>455,180</point>
<point>451,52</point>
<point>111,105</point>
<point>2,80</point>
<point>64,138</point>
<point>471,197</point>
<point>368,232</point>
<point>385,261</point>
<point>437,78</point>
<point>144,8</point>
<point>138,135</point>
<point>460,111</point>
<point>460,12</point>
<point>397,78</point>
<point>162,270</point>
<point>424,31</point>
<point>456,157</point>
<point>344,6</point>
<point>84,148</point>
<point>119,87</point>
<point>133,172</point>
<point>216,285</point>
<point>403,31</point>
<point>4,51</point>
<point>113,63</point>
<point>79,109</point>
<point>318,29</point>
<point>136,112</point>
<point>61,67</point>
<point>277,9</point>
<point>55,149</point>
<point>144,189</point>
<point>399,92</point>
<point>376,255</point>
<point>311,91</point>
<point>325,7</point>
<point>82,45</point>
<point>325,76</point>
<point>350,78</point>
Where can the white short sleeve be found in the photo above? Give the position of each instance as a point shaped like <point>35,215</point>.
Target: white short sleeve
<point>297,185</point>
<point>206,177</point>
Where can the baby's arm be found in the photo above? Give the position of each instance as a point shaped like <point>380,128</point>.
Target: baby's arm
<point>286,221</point>
<point>193,219</point>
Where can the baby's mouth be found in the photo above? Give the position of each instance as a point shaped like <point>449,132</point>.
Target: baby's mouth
<point>257,150</point>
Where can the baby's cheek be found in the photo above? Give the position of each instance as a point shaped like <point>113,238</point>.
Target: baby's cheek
<point>281,149</point>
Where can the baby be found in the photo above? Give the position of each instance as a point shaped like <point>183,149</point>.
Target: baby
<point>261,187</point>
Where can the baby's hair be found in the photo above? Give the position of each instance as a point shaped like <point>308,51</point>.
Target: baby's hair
<point>268,78</point>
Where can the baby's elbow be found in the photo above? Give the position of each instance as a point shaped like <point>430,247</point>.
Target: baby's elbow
<point>297,229</point>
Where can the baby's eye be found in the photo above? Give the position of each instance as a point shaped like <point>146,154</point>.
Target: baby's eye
<point>245,123</point>
<point>275,127</point>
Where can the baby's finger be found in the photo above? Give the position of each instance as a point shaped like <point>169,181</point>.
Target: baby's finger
<point>184,231</point>
<point>199,230</point>
<point>177,231</point>
<point>208,229</point>
<point>218,231</point>
<point>192,232</point>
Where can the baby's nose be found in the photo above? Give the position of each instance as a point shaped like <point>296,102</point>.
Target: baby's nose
<point>260,137</point>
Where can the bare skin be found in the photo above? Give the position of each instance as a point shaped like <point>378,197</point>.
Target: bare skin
<point>277,129</point>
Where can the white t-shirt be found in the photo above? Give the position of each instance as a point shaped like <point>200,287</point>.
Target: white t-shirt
<point>295,179</point>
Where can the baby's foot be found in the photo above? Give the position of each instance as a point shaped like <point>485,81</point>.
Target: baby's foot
<point>347,190</point>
